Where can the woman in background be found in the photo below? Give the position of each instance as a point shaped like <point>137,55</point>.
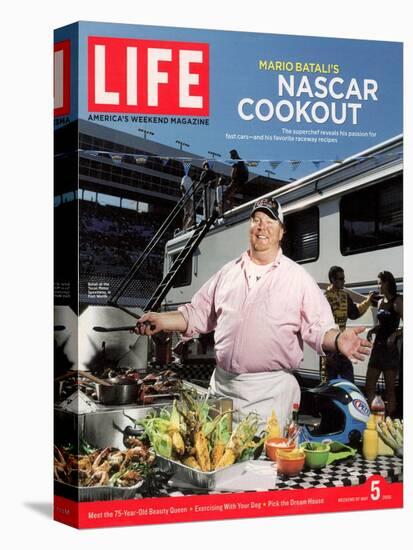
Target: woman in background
<point>385,357</point>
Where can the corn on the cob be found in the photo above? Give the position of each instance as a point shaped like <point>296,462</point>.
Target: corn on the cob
<point>398,424</point>
<point>227,459</point>
<point>191,462</point>
<point>240,440</point>
<point>190,435</point>
<point>385,435</point>
<point>390,427</point>
<point>383,449</point>
<point>398,438</point>
<point>202,452</point>
<point>178,443</point>
<point>216,454</point>
<point>190,451</point>
<point>385,430</point>
<point>398,427</point>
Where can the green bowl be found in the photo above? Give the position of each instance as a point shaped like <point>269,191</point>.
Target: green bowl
<point>316,454</point>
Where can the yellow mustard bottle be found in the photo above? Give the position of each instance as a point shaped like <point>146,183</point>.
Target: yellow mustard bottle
<point>273,428</point>
<point>370,440</point>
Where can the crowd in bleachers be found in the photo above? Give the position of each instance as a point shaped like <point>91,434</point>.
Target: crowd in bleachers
<point>111,239</point>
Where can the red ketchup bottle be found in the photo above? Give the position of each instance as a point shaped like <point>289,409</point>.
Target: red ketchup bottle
<point>378,408</point>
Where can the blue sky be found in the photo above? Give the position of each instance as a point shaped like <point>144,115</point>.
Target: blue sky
<point>234,74</point>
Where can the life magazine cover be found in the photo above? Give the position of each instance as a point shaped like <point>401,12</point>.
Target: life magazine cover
<point>228,290</point>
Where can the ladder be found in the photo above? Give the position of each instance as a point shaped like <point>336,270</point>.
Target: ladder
<point>161,291</point>
<point>124,284</point>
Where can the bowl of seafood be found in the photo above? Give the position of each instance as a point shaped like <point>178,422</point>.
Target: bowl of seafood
<point>101,474</point>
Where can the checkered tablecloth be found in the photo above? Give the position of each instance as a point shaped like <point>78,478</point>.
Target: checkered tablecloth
<point>193,373</point>
<point>341,474</point>
<point>344,474</point>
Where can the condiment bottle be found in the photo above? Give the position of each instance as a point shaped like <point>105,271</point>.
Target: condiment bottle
<point>292,426</point>
<point>370,440</point>
<point>273,428</point>
<point>377,409</point>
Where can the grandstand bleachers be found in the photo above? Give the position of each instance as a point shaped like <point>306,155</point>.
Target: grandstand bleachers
<point>110,241</point>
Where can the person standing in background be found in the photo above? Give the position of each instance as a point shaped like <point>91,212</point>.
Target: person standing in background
<point>189,213</point>
<point>385,357</point>
<point>343,308</point>
<point>207,179</point>
<point>239,177</point>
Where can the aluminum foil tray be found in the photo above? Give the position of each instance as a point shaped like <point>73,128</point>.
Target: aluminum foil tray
<point>91,494</point>
<point>206,480</point>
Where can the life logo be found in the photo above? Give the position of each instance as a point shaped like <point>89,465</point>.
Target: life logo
<point>61,78</point>
<point>361,407</point>
<point>148,76</point>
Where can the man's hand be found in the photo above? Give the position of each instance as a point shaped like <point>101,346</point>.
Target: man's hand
<point>352,346</point>
<point>151,323</point>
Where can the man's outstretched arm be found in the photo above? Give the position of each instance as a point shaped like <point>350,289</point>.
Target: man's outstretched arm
<point>151,323</point>
<point>347,343</point>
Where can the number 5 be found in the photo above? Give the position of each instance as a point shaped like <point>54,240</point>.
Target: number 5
<point>375,490</point>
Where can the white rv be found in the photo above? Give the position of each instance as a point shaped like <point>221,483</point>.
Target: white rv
<point>349,214</point>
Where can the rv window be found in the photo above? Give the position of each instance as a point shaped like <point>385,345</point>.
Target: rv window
<point>184,275</point>
<point>301,240</point>
<point>372,218</point>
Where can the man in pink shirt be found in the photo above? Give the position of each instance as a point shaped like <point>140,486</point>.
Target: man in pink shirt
<point>262,306</point>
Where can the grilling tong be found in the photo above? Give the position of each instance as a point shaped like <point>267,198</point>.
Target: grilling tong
<point>128,327</point>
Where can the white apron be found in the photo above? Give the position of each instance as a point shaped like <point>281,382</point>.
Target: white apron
<point>260,392</point>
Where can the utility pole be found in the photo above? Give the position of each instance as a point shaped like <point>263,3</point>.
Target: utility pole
<point>182,144</point>
<point>146,132</point>
<point>213,154</point>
